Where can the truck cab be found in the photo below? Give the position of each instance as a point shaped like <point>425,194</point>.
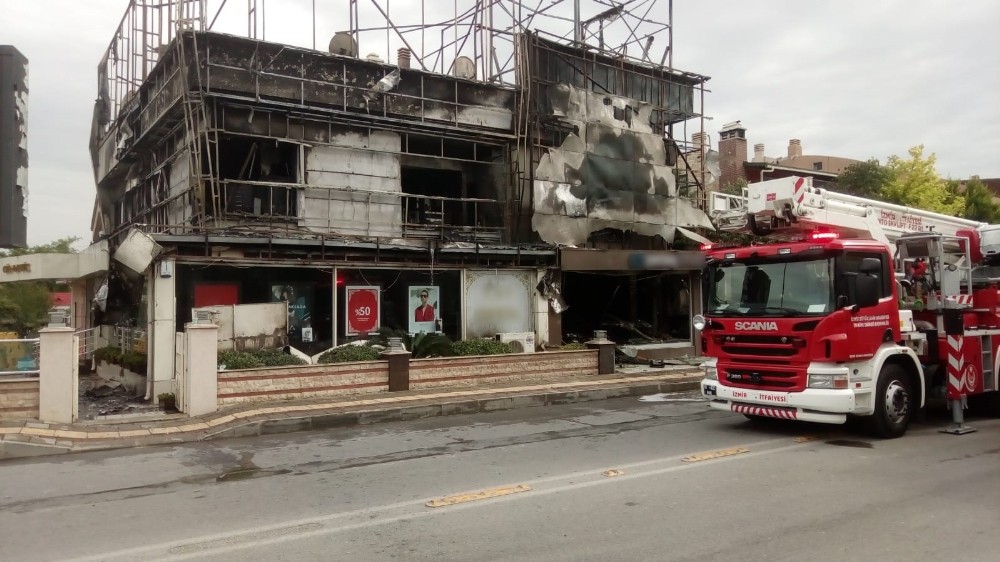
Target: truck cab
<point>791,330</point>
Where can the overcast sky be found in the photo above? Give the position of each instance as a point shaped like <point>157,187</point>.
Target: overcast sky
<point>852,78</point>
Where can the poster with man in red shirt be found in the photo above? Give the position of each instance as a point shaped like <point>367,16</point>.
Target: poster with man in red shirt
<point>424,304</point>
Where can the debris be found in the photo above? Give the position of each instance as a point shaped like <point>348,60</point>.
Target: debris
<point>388,82</point>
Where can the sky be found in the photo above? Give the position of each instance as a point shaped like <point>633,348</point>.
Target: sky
<point>853,78</point>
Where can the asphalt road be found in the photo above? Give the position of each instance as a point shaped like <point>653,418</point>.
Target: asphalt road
<point>612,480</point>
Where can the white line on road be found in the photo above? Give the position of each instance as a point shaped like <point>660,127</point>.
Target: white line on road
<point>214,545</point>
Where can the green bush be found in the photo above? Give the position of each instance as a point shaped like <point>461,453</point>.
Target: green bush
<point>235,360</point>
<point>277,358</point>
<point>350,353</point>
<point>573,346</point>
<point>134,361</point>
<point>481,346</point>
<point>429,345</point>
<point>109,354</point>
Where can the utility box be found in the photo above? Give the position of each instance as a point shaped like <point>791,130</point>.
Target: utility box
<point>13,148</point>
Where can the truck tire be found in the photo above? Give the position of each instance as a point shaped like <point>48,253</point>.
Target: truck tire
<point>894,403</point>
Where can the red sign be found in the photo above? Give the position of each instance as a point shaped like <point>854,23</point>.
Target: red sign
<point>362,310</point>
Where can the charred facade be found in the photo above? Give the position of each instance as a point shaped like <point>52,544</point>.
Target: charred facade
<point>261,170</point>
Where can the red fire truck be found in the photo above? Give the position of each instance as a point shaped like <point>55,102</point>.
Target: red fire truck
<point>853,308</point>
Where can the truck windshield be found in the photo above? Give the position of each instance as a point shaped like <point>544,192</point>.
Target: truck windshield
<point>796,288</point>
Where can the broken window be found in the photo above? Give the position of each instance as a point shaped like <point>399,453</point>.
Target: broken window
<point>251,173</point>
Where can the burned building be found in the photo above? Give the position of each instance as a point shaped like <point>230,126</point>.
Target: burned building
<point>446,190</point>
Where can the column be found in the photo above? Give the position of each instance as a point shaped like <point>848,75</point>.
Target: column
<point>58,382</point>
<point>201,379</point>
<point>162,327</point>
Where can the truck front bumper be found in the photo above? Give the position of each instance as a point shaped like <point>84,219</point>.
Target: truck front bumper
<point>811,404</point>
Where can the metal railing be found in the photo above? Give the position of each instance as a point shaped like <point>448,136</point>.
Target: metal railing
<point>19,358</point>
<point>129,339</point>
<point>87,343</point>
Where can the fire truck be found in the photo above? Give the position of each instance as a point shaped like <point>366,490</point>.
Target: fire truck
<point>852,308</point>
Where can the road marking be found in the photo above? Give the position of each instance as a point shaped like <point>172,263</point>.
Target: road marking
<point>479,495</point>
<point>340,522</point>
<point>613,472</point>
<point>709,455</point>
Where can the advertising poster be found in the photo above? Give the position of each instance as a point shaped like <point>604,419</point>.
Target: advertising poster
<point>363,309</point>
<point>497,302</point>
<point>425,314</point>
<point>299,299</point>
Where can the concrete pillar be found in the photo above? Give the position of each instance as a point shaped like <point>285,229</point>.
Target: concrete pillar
<point>399,369</point>
<point>162,328</point>
<point>605,352</point>
<point>80,306</point>
<point>201,378</point>
<point>59,398</point>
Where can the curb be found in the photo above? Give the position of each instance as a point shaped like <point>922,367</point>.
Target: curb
<point>253,428</point>
<point>39,442</point>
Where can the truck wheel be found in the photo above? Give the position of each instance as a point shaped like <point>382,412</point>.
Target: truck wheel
<point>894,403</point>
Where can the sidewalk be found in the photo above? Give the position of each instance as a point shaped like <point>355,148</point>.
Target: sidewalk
<point>32,438</point>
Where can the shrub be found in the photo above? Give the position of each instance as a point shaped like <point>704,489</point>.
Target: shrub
<point>277,358</point>
<point>573,346</point>
<point>482,346</point>
<point>134,361</point>
<point>234,360</point>
<point>109,354</point>
<point>430,345</point>
<point>349,353</point>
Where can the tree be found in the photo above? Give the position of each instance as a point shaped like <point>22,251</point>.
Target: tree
<point>25,304</point>
<point>915,183</point>
<point>865,179</point>
<point>979,202</point>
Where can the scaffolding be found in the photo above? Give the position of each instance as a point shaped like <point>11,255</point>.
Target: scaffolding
<point>436,37</point>
<point>484,41</point>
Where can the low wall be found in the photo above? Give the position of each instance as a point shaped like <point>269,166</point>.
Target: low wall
<point>19,399</point>
<point>485,369</point>
<point>308,381</point>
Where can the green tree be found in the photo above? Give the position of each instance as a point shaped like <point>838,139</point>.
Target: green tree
<point>915,183</point>
<point>865,179</point>
<point>25,304</point>
<point>979,202</point>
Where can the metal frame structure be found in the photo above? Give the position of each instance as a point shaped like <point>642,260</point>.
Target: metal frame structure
<point>485,31</point>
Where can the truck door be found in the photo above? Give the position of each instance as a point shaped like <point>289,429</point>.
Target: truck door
<point>871,326</point>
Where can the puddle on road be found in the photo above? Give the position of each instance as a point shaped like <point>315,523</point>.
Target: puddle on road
<point>248,470</point>
<point>849,443</point>
<point>248,473</point>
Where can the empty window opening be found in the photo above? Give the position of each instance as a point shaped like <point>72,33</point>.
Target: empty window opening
<point>246,166</point>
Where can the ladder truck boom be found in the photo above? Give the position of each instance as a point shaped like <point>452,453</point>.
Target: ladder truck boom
<point>793,205</point>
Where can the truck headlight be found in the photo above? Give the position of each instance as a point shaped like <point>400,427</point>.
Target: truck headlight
<point>827,381</point>
<point>698,321</point>
<point>712,373</point>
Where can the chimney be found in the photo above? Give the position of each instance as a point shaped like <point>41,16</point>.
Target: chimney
<point>732,153</point>
<point>700,140</point>
<point>403,57</point>
<point>794,148</point>
<point>758,152</point>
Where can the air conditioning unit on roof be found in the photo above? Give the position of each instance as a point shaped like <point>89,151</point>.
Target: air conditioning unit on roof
<point>522,342</point>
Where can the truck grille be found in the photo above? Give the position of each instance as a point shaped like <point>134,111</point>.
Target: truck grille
<point>761,378</point>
